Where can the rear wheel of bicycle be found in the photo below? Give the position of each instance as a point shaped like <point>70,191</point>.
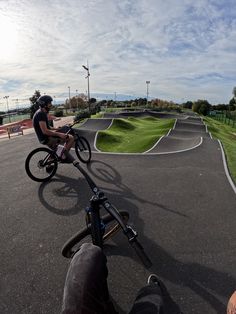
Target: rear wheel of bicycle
<point>83,149</point>
<point>41,164</point>
<point>111,227</point>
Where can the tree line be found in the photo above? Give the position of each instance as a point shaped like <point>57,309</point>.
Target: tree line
<point>80,102</point>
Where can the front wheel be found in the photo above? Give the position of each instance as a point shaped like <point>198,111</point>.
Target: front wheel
<point>109,227</point>
<point>41,164</point>
<point>83,149</point>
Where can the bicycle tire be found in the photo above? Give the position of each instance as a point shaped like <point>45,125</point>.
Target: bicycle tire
<point>35,168</point>
<point>83,236</point>
<point>83,149</point>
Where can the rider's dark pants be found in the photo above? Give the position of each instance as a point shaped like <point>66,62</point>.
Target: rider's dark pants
<point>86,291</point>
<point>148,301</point>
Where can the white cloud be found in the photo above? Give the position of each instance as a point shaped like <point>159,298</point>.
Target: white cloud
<point>185,48</point>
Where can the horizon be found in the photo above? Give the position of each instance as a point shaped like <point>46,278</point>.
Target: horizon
<point>186,49</point>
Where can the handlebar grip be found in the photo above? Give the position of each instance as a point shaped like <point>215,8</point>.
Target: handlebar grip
<point>141,254</point>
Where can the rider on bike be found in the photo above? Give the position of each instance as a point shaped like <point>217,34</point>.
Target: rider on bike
<point>48,135</point>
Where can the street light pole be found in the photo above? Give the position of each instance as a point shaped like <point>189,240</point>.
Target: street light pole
<point>147,82</point>
<point>6,97</point>
<point>17,104</point>
<point>87,77</point>
<point>77,99</point>
<point>69,97</point>
<point>115,98</point>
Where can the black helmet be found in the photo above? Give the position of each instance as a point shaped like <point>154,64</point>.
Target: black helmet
<point>44,100</point>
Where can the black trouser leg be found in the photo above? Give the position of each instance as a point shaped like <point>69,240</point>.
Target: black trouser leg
<point>148,301</point>
<point>85,290</point>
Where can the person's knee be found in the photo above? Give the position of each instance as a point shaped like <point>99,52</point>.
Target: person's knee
<point>89,253</point>
<point>70,141</point>
<point>85,285</point>
<point>71,138</point>
<point>91,249</point>
<point>86,265</point>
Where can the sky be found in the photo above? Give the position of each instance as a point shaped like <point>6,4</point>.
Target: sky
<point>185,48</point>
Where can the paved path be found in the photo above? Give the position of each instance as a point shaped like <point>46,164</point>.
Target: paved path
<point>90,128</point>
<point>186,134</point>
<point>181,204</point>
<point>142,114</point>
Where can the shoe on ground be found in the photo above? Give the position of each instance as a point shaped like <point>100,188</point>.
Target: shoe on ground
<point>49,168</point>
<point>153,279</point>
<point>65,160</point>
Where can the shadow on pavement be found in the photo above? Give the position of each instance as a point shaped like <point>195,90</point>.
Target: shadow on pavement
<point>208,283</point>
<point>63,195</point>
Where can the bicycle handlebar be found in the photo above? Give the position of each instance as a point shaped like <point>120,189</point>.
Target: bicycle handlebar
<point>141,253</point>
<point>71,125</point>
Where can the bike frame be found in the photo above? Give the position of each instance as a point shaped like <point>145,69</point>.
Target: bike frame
<point>95,203</point>
<point>75,135</point>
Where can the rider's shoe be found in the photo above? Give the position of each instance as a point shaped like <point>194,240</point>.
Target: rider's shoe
<point>49,168</point>
<point>67,158</point>
<point>153,279</point>
<point>65,161</point>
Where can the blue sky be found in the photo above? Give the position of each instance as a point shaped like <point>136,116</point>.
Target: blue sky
<point>185,48</point>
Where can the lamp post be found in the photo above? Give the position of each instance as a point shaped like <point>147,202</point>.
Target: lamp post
<point>147,82</point>
<point>69,97</point>
<point>6,97</point>
<point>87,77</point>
<point>77,99</point>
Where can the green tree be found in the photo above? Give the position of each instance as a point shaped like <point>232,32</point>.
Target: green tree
<point>33,100</point>
<point>234,92</point>
<point>219,107</point>
<point>232,104</point>
<point>201,106</point>
<point>188,104</point>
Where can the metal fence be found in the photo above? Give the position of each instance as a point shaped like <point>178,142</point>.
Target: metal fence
<point>15,118</point>
<point>225,116</point>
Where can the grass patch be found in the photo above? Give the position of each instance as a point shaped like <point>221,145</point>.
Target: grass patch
<point>97,115</point>
<point>133,135</point>
<point>227,135</point>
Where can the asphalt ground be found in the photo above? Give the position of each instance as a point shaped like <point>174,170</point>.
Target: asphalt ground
<point>181,204</point>
<point>144,113</point>
<point>184,135</point>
